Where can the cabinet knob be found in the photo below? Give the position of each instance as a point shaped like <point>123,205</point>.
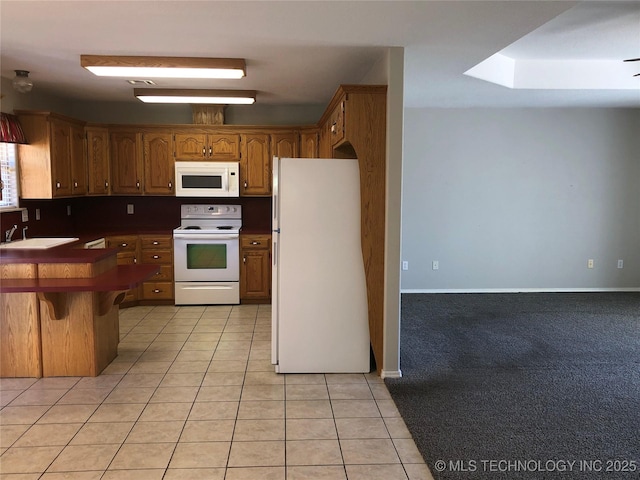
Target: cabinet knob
<point>157,290</point>
<point>75,184</point>
<point>123,245</point>
<point>334,128</point>
<point>155,242</point>
<point>210,151</point>
<point>135,260</point>
<point>106,184</point>
<point>245,184</point>
<point>244,259</point>
<point>58,185</point>
<point>170,185</point>
<point>138,184</point>
<point>156,257</point>
<point>204,152</point>
<point>255,243</point>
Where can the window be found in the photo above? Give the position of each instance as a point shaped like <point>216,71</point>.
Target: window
<point>8,173</point>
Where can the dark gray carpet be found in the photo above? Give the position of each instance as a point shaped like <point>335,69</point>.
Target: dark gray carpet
<point>536,377</point>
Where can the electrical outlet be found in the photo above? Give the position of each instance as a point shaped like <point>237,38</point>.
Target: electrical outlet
<point>25,215</point>
<point>405,265</point>
<point>620,263</point>
<point>590,263</point>
<point>37,214</point>
<point>435,265</point>
<point>130,209</point>
<point>69,210</point>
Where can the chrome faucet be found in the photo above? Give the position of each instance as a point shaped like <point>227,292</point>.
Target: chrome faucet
<point>24,232</point>
<point>9,233</point>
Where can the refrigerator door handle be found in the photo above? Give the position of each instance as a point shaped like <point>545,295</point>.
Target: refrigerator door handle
<point>275,207</point>
<point>275,253</point>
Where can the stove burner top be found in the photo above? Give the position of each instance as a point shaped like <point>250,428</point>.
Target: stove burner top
<point>210,220</point>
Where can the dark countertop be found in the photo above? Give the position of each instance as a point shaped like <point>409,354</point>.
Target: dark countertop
<point>69,253</point>
<point>74,253</point>
<point>120,278</point>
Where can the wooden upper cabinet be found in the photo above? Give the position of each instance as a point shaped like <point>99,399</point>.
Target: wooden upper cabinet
<point>324,142</point>
<point>224,147</point>
<point>207,146</point>
<point>190,146</point>
<point>79,170</point>
<point>127,167</point>
<point>53,162</point>
<point>336,122</point>
<point>284,145</point>
<point>158,163</point>
<point>61,158</point>
<point>255,165</point>
<point>309,144</point>
<point>98,160</point>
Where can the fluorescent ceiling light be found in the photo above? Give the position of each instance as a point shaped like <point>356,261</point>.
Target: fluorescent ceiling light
<point>164,67</point>
<point>198,96</point>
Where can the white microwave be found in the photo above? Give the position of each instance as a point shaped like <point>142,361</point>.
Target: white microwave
<point>207,179</point>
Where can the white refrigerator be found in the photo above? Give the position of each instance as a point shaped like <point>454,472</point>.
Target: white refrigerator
<point>319,298</point>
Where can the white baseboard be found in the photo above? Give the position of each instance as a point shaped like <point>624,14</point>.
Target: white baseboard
<point>390,374</point>
<point>517,290</point>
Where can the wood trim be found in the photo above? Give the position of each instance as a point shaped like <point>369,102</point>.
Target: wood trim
<point>365,139</point>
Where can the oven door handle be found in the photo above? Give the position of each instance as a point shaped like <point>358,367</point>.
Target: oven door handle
<point>214,237</point>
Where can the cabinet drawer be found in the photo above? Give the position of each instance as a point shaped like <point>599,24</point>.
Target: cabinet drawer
<point>160,290</point>
<point>165,274</point>
<point>157,256</point>
<point>255,241</point>
<point>127,258</point>
<point>159,241</point>
<point>124,243</point>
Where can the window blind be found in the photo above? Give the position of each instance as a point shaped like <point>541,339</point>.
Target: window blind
<point>8,173</point>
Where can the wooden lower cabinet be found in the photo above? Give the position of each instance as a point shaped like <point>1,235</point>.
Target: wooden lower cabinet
<point>128,254</point>
<point>147,249</point>
<point>158,250</point>
<point>255,268</point>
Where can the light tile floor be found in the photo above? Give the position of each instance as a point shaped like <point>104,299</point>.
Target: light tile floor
<point>193,395</point>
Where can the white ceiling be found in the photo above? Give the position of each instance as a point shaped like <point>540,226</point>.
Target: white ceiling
<point>297,52</point>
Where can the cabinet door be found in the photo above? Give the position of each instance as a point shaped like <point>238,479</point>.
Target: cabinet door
<point>190,146</point>
<point>98,160</point>
<point>309,145</point>
<point>324,142</point>
<point>158,163</point>
<point>61,158</point>
<point>336,123</point>
<point>126,163</point>
<point>78,161</point>
<point>255,165</point>
<point>223,147</point>
<point>255,268</point>
<point>284,145</point>
<point>255,272</point>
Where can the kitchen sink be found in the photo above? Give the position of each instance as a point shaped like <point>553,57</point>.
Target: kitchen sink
<point>39,243</point>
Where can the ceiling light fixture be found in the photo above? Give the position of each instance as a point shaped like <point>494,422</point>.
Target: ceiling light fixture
<point>197,96</point>
<point>163,67</point>
<point>21,82</point>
